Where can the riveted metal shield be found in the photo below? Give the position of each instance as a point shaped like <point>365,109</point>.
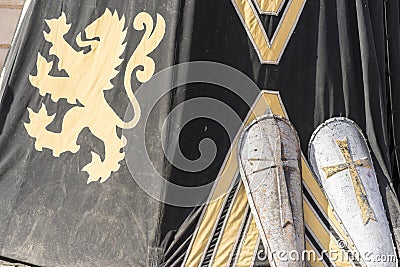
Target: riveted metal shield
<point>269,160</point>
<point>340,158</point>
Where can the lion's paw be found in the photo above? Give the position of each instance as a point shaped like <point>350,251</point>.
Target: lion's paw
<point>57,151</point>
<point>38,145</point>
<point>58,28</point>
<point>38,123</point>
<point>97,170</point>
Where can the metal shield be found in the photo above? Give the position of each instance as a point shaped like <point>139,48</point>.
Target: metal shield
<point>340,158</point>
<point>269,161</point>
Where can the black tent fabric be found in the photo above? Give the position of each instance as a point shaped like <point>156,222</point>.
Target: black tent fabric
<point>342,60</point>
<point>49,215</point>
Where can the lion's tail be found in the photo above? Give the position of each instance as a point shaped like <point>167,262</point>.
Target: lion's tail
<point>149,42</point>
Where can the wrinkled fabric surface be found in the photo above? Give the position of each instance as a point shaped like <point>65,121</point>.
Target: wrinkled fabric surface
<point>342,60</point>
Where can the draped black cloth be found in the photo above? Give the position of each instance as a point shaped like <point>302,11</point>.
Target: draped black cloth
<point>342,60</point>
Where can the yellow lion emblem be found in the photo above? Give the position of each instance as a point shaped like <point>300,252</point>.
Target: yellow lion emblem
<point>88,76</point>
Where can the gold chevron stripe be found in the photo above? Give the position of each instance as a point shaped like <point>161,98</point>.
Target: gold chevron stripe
<point>232,229</point>
<point>269,51</point>
<point>270,6</point>
<point>314,263</point>
<point>206,226</point>
<point>210,217</point>
<point>250,244</point>
<point>323,236</point>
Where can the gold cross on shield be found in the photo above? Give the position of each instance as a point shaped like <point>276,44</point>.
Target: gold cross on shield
<point>350,164</point>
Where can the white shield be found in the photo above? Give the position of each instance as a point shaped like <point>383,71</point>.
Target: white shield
<point>269,161</point>
<point>340,158</point>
